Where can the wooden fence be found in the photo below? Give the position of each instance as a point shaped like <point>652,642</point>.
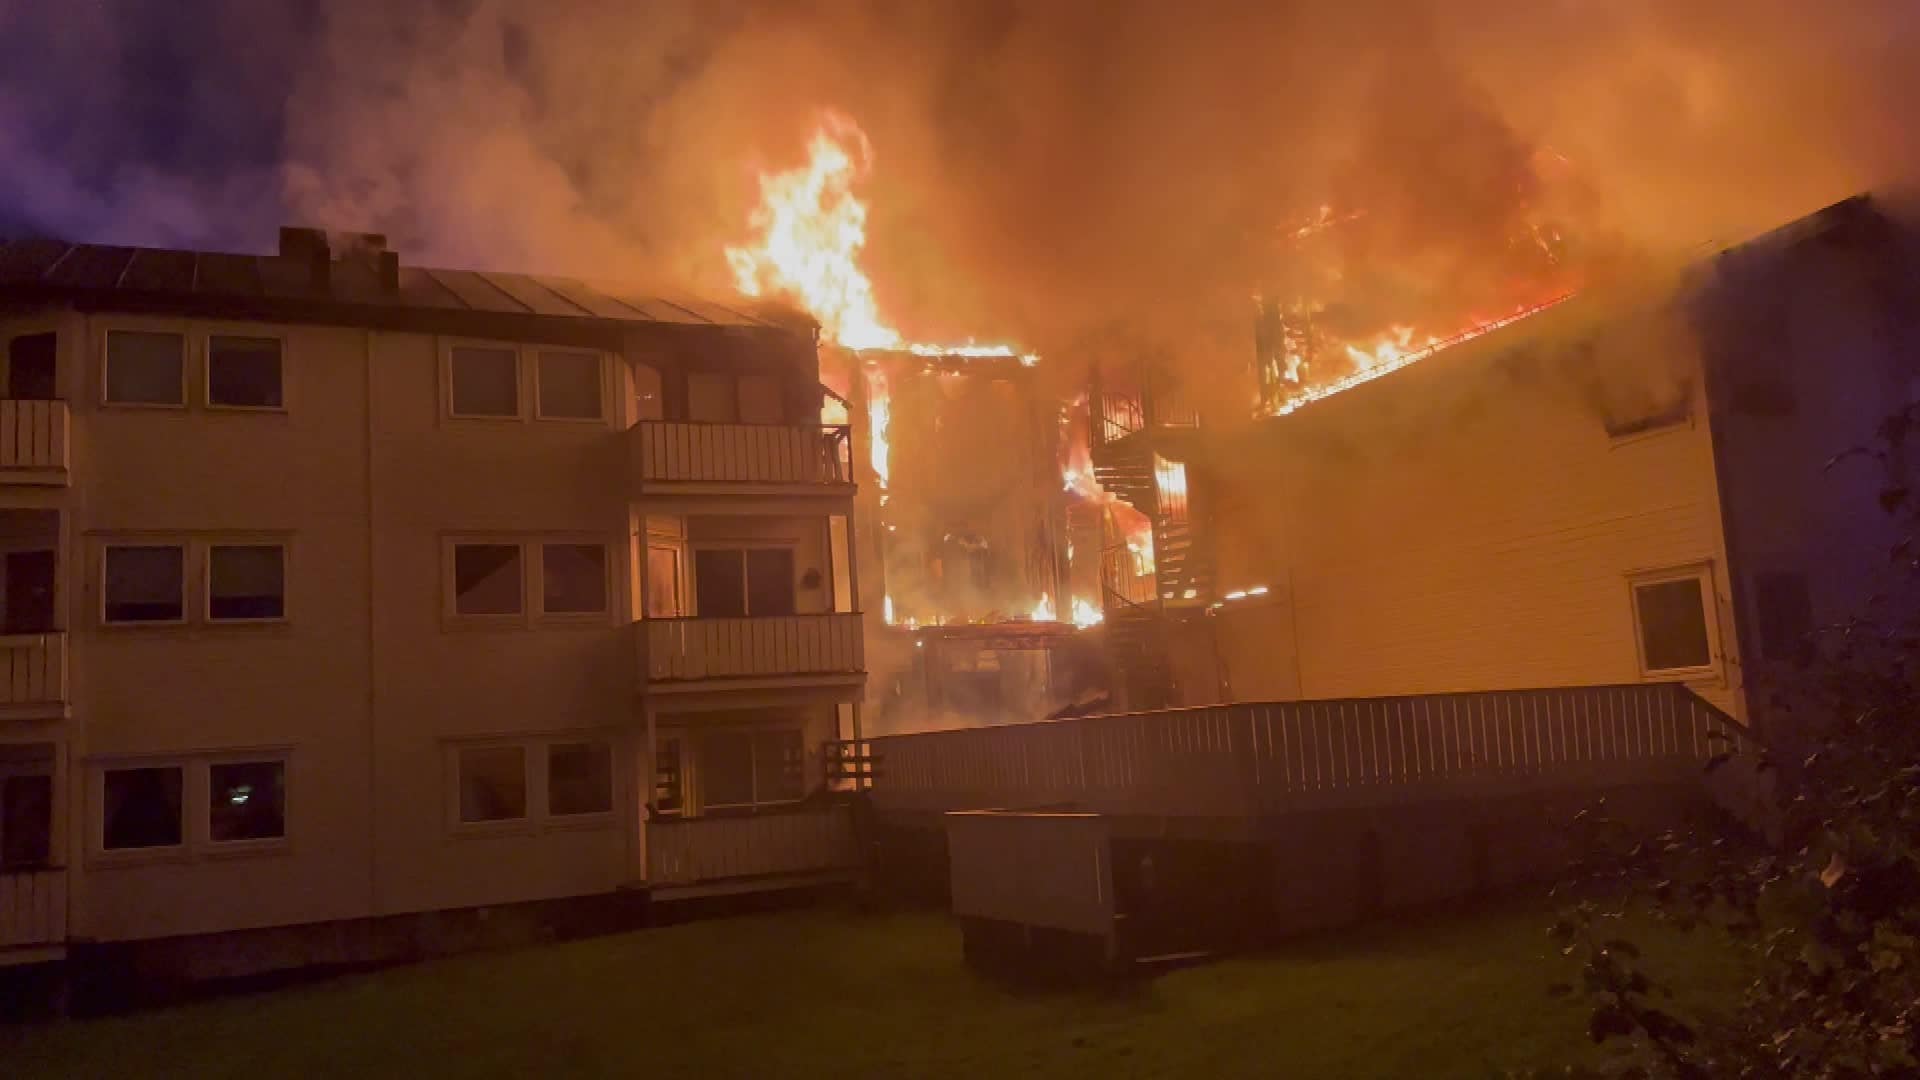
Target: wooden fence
<point>678,452</point>
<point>1262,758</point>
<point>33,669</point>
<point>33,908</point>
<point>701,648</point>
<point>704,850</point>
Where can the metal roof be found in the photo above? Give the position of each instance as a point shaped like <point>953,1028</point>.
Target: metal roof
<point>352,292</point>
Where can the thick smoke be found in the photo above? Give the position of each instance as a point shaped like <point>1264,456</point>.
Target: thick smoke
<point>1079,175</point>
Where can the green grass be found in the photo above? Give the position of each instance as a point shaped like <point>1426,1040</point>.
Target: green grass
<point>826,993</point>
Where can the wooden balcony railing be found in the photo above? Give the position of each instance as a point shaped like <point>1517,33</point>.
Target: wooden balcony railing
<point>1272,757</point>
<point>33,908</point>
<point>33,442</point>
<point>671,452</point>
<point>33,669</point>
<point>695,851</point>
<point>674,650</point>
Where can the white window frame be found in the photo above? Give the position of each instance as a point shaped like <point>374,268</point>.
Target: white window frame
<point>107,544</point>
<point>691,577</point>
<point>522,392</point>
<point>186,376</point>
<point>97,810</point>
<point>535,750</point>
<point>532,359</point>
<point>196,809</point>
<point>1710,605</point>
<point>206,367</point>
<point>449,581</point>
<point>205,764</point>
<point>693,751</point>
<point>206,580</point>
<point>49,767</point>
<point>538,548</point>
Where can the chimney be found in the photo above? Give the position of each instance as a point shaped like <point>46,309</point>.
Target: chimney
<point>309,246</point>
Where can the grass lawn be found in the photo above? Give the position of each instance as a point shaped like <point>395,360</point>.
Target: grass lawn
<point>829,993</point>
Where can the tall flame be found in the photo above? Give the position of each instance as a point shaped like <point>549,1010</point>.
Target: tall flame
<point>811,228</point>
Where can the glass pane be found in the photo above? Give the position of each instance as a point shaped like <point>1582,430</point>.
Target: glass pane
<point>779,766</point>
<point>142,808</point>
<point>493,783</point>
<point>244,372</point>
<point>145,368</point>
<point>719,585</point>
<point>26,820</point>
<point>769,581</point>
<point>246,581</point>
<point>1673,625</point>
<point>570,385</point>
<point>573,578</point>
<point>486,579</point>
<point>663,583</point>
<point>486,382</point>
<point>579,778</point>
<point>726,768</point>
<point>247,800</point>
<point>146,583</point>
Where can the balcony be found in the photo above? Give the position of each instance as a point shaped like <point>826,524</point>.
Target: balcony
<point>33,911</point>
<point>806,648</point>
<point>33,674</point>
<point>674,456</point>
<point>721,854</point>
<point>33,442</point>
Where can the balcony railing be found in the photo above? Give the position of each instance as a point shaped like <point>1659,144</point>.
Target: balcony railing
<point>697,851</point>
<point>674,650</point>
<point>33,442</point>
<point>1265,758</point>
<point>673,452</point>
<point>33,670</point>
<point>33,908</point>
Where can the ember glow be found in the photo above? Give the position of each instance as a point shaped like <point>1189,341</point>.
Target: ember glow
<point>1398,349</point>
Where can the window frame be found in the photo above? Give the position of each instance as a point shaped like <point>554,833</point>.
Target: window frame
<point>105,398</point>
<point>97,832</point>
<point>555,818</point>
<point>694,747</point>
<point>449,582</point>
<point>456,790</point>
<point>536,756</point>
<point>521,391</point>
<point>539,395</point>
<point>205,764</point>
<point>106,546</point>
<point>196,809</point>
<point>206,366</point>
<point>690,595</point>
<point>1701,572</point>
<point>539,545</point>
<point>206,580</point>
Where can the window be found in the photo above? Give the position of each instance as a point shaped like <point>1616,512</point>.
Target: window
<point>246,800</point>
<point>146,368</point>
<point>1786,614</point>
<point>669,782</point>
<point>26,805</point>
<point>573,579</point>
<point>485,381</point>
<point>141,808</point>
<point>579,778</point>
<point>1670,613</point>
<point>246,581</point>
<point>733,582</point>
<point>750,768</point>
<point>244,372</point>
<point>569,385</point>
<point>493,783</point>
<point>663,583</point>
<point>145,583</point>
<point>486,579</point>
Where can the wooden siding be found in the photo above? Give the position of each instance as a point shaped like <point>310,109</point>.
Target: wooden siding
<point>1249,759</point>
<point>698,648</point>
<point>33,442</point>
<point>699,851</point>
<point>33,669</point>
<point>33,908</point>
<point>1465,524</point>
<point>803,455</point>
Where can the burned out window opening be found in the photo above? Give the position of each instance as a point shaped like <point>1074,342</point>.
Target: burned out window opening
<point>1650,413</point>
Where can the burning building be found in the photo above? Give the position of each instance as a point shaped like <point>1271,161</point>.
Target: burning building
<point>1619,487</point>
